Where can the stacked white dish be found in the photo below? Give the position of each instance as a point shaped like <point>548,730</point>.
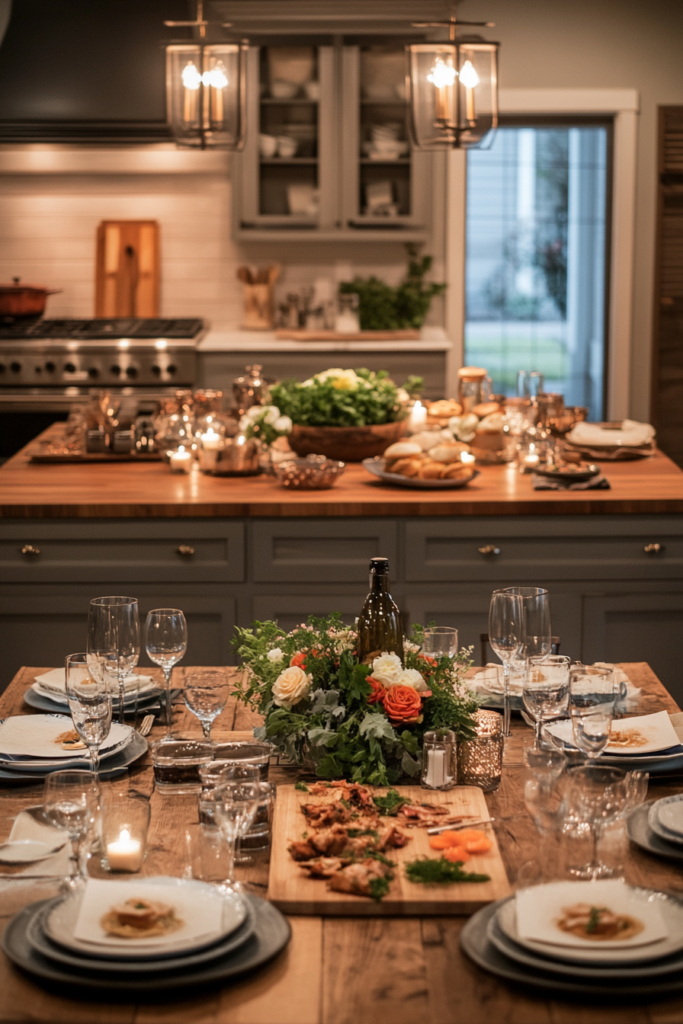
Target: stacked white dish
<point>519,939</point>
<point>657,746</point>
<point>217,936</point>
<point>48,692</point>
<point>658,827</point>
<point>32,746</point>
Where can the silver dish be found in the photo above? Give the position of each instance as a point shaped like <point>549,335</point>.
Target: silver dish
<point>113,766</point>
<point>376,467</point>
<point>640,833</point>
<point>587,473</point>
<point>312,473</point>
<point>271,934</point>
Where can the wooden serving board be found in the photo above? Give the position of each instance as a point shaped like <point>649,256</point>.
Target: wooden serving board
<point>293,892</point>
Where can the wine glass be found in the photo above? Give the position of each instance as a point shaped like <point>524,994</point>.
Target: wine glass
<point>592,698</point>
<point>537,630</point>
<point>166,631</point>
<point>545,690</point>
<point>114,640</point>
<point>236,804</point>
<point>90,703</point>
<point>506,636</point>
<point>206,693</point>
<point>597,797</point>
<point>440,642</point>
<point>70,799</point>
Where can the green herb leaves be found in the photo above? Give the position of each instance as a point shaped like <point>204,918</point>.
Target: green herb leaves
<point>391,803</point>
<point>433,871</point>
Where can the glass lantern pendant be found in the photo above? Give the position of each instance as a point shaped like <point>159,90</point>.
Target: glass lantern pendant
<point>205,94</point>
<point>453,88</point>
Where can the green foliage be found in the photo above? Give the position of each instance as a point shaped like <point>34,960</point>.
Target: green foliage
<point>383,308</point>
<point>369,400</point>
<point>390,803</point>
<point>379,887</point>
<point>433,871</point>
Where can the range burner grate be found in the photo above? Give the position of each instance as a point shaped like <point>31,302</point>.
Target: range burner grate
<point>97,330</point>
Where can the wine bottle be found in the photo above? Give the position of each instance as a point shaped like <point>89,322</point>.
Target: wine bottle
<point>379,623</point>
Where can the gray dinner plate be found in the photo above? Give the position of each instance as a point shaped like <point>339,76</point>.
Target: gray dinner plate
<point>479,948</point>
<point>113,766</point>
<point>41,703</point>
<point>42,944</point>
<point>522,955</point>
<point>270,936</point>
<point>656,825</point>
<point>376,467</point>
<point>640,833</point>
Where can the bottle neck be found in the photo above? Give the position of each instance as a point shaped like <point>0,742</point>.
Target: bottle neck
<point>379,583</point>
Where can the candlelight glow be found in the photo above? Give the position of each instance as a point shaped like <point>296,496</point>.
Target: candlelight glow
<point>442,74</point>
<point>191,77</point>
<point>468,76</point>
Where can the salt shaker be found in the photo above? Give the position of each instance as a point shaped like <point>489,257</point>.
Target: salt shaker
<point>439,763</point>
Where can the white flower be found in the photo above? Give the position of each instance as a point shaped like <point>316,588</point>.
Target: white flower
<point>271,414</point>
<point>402,396</point>
<point>411,677</point>
<point>254,413</point>
<point>308,383</point>
<point>283,425</point>
<point>291,686</point>
<point>386,669</point>
<point>275,655</point>
<point>342,380</point>
<point>408,645</point>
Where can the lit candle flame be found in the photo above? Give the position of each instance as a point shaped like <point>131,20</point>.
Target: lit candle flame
<point>442,75</point>
<point>468,76</point>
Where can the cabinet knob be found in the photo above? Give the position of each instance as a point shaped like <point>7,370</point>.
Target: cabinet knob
<point>185,550</point>
<point>29,549</point>
<point>653,549</point>
<point>489,549</point>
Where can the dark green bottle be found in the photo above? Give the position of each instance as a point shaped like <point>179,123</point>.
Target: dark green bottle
<point>379,623</point>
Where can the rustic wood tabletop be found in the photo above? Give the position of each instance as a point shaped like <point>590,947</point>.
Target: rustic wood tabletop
<point>336,970</point>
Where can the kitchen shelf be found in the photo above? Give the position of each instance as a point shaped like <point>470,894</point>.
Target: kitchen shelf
<point>286,160</point>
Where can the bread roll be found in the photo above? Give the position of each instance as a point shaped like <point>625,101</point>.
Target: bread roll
<point>444,407</point>
<point>485,409</point>
<point>400,449</point>
<point>427,439</point>
<point>456,471</point>
<point>448,452</point>
<point>431,471</point>
<point>406,467</point>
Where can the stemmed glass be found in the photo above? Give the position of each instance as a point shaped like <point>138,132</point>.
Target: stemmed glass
<point>537,629</point>
<point>506,636</point>
<point>90,703</point>
<point>236,804</point>
<point>597,797</point>
<point>114,640</point>
<point>592,698</point>
<point>206,694</point>
<point>70,799</point>
<point>166,632</point>
<point>545,690</point>
<point>440,642</point>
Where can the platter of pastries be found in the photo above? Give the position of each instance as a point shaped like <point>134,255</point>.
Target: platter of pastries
<point>408,464</point>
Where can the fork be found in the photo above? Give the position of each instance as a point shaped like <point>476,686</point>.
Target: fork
<point>146,725</point>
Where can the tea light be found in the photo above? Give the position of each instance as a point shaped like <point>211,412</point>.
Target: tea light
<point>210,444</point>
<point>124,854</point>
<point>181,461</point>
<point>467,458</point>
<point>480,760</point>
<point>418,418</point>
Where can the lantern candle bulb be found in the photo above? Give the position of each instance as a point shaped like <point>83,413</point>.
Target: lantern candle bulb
<point>470,79</point>
<point>124,854</point>
<point>442,76</point>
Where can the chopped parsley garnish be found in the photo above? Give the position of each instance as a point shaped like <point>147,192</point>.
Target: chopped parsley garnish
<point>302,786</point>
<point>379,887</point>
<point>376,855</point>
<point>594,919</point>
<point>345,803</point>
<point>433,871</point>
<point>355,833</point>
<point>390,804</point>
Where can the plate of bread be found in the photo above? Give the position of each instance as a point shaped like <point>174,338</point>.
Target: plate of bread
<point>407,464</point>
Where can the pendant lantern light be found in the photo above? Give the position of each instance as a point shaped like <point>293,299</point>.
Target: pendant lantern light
<point>453,88</point>
<point>205,89</point>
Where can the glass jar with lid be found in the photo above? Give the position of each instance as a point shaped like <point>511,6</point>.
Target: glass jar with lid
<point>173,426</point>
<point>473,387</point>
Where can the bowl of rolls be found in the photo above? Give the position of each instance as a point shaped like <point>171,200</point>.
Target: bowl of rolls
<point>426,460</point>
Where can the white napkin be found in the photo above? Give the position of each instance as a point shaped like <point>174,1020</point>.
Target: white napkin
<point>632,434</point>
<point>34,737</point>
<point>54,681</point>
<point>28,826</point>
<point>200,910</point>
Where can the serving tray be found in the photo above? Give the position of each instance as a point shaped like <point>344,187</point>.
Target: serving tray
<point>376,467</point>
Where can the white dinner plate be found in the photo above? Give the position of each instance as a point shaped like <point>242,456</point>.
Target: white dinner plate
<point>670,814</point>
<point>30,740</point>
<point>25,851</point>
<point>657,731</point>
<point>655,822</point>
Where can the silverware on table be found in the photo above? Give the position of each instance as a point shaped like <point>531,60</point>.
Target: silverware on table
<point>454,828</point>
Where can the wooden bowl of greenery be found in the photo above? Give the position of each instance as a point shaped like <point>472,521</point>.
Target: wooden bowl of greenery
<point>347,444</point>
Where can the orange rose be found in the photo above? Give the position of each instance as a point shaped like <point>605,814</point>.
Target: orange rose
<point>378,690</point>
<point>298,659</point>
<point>402,704</point>
<point>430,661</point>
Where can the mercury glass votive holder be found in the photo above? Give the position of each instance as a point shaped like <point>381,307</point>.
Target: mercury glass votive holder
<point>480,760</point>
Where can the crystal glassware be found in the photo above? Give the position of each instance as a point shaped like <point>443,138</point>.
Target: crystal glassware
<point>113,640</point>
<point>592,698</point>
<point>545,690</point>
<point>206,694</point>
<point>236,804</point>
<point>70,800</point>
<point>90,703</point>
<point>440,642</point>
<point>596,797</point>
<point>166,644</point>
<point>506,636</point>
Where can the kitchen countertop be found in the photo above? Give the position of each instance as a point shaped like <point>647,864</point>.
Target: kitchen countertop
<point>149,490</point>
<point>432,339</point>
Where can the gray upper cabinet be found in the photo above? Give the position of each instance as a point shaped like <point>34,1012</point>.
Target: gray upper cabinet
<point>327,154</point>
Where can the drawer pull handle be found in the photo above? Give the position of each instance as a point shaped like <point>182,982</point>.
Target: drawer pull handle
<point>185,550</point>
<point>653,549</point>
<point>489,549</point>
<point>29,549</point>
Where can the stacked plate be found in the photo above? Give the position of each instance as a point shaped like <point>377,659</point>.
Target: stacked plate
<point>31,746</point>
<point>62,941</point>
<point>647,743</point>
<point>519,939</point>
<point>48,693</point>
<point>658,827</point>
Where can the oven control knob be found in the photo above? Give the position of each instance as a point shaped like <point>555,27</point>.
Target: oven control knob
<point>115,370</point>
<point>69,368</point>
<point>156,370</point>
<point>93,372</point>
<point>50,367</point>
<point>131,372</point>
<point>172,368</point>
<point>15,367</point>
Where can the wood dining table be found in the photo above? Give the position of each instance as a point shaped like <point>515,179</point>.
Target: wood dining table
<point>402,970</point>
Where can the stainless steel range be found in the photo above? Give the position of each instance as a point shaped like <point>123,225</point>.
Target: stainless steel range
<point>46,364</point>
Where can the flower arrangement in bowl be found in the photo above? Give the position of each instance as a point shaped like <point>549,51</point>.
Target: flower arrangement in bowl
<point>270,430</point>
<point>324,709</point>
<point>348,415</point>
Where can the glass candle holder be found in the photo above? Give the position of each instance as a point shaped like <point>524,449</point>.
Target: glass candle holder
<point>177,763</point>
<point>245,752</point>
<point>480,760</point>
<point>439,761</point>
<point>125,824</point>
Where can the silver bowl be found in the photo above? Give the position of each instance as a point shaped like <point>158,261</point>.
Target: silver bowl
<point>312,473</point>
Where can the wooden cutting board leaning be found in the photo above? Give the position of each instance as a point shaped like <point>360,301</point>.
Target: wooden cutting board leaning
<point>127,269</point>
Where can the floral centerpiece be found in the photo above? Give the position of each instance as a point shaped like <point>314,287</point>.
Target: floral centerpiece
<point>362,722</point>
<point>270,429</point>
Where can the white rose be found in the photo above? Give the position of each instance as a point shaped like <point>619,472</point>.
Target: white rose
<point>275,655</point>
<point>244,424</point>
<point>271,414</point>
<point>283,425</point>
<point>411,677</point>
<point>386,669</point>
<point>291,686</point>
<point>254,412</point>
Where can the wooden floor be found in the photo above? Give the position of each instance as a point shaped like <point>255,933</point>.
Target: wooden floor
<point>337,971</point>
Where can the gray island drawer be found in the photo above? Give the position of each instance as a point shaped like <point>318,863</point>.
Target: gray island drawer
<point>321,550</point>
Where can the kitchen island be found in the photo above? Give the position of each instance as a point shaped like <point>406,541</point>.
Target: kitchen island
<point>230,550</point>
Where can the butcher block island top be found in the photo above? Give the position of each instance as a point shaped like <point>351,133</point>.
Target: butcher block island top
<point>150,491</point>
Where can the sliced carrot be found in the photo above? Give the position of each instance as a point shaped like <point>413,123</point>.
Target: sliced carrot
<point>471,835</point>
<point>444,840</point>
<point>482,845</point>
<point>457,854</point>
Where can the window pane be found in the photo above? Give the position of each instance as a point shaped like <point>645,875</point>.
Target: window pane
<point>536,260</point>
